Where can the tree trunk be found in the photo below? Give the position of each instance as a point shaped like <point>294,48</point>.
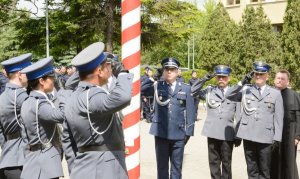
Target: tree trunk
<point>109,25</point>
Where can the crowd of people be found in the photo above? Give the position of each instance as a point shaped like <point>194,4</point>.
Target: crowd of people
<point>45,114</point>
<point>48,112</point>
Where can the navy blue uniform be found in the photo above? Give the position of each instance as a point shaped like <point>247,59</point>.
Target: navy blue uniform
<point>147,98</point>
<point>196,100</point>
<point>172,123</point>
<point>3,81</point>
<point>180,79</point>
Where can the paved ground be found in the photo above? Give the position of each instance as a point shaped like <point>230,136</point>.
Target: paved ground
<point>195,164</point>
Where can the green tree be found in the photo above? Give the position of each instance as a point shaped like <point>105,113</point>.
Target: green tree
<point>290,41</point>
<point>167,26</point>
<point>218,43</point>
<point>257,41</point>
<point>73,25</point>
<point>8,43</point>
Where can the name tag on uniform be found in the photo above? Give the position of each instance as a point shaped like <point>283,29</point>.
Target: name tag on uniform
<point>269,101</point>
<point>181,96</point>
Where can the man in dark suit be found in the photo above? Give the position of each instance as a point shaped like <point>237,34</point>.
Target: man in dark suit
<point>284,164</point>
<point>173,120</point>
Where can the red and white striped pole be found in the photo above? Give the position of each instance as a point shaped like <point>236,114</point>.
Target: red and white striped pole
<point>131,45</point>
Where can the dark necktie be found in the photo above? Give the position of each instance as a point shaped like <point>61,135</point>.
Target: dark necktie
<point>222,90</point>
<point>50,96</point>
<point>170,88</point>
<point>259,90</point>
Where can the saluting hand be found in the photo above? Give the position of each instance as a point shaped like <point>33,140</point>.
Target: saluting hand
<point>208,77</point>
<point>247,79</point>
<point>117,67</point>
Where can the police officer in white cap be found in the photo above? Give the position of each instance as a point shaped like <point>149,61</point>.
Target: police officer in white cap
<point>92,118</point>
<point>13,149</point>
<point>261,119</point>
<point>219,124</point>
<point>40,119</point>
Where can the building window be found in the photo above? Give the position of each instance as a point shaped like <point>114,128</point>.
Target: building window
<point>277,28</point>
<point>233,2</point>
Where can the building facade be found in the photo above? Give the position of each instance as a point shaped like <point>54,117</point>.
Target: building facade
<point>274,9</point>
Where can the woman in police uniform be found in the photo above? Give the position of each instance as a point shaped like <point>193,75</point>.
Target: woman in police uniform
<point>40,118</point>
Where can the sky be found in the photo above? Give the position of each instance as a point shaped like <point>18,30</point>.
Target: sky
<point>22,4</point>
<point>41,4</point>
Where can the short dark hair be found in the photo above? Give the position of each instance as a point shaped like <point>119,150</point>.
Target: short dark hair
<point>285,72</point>
<point>84,74</point>
<point>33,84</point>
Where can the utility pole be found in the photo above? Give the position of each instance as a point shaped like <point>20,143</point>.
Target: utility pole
<point>193,51</point>
<point>47,30</point>
<point>188,54</point>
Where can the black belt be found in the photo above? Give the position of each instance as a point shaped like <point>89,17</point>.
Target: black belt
<point>13,136</point>
<point>37,147</point>
<point>104,147</point>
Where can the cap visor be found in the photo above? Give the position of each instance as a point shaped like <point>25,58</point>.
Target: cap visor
<point>170,66</point>
<point>260,72</point>
<point>222,75</point>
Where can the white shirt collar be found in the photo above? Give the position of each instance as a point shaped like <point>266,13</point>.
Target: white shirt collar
<point>225,89</point>
<point>262,88</point>
<point>173,85</point>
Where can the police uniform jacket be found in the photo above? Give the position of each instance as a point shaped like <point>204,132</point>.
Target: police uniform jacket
<point>219,123</point>
<point>104,127</point>
<point>261,115</point>
<point>13,150</point>
<point>176,118</point>
<point>44,163</point>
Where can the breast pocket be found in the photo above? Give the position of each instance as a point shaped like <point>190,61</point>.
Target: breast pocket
<point>213,100</point>
<point>181,99</point>
<point>250,101</point>
<point>269,105</point>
